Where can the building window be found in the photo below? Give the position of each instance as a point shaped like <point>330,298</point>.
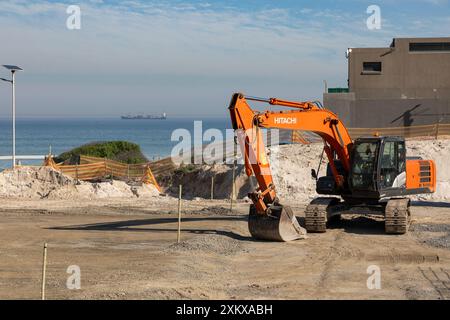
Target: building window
<point>429,46</point>
<point>371,67</point>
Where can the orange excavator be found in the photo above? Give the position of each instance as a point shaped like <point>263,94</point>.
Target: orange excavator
<point>370,175</point>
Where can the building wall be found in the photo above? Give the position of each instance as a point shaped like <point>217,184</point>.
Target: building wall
<point>379,113</point>
<point>413,88</point>
<point>404,75</point>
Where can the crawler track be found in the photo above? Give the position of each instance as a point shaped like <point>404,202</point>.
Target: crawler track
<point>316,214</point>
<point>397,216</point>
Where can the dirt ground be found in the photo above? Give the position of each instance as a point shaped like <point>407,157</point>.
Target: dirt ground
<point>126,249</point>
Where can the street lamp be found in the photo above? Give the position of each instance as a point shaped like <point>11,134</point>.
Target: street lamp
<point>13,70</point>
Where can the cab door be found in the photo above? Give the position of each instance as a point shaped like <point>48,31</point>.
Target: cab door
<point>392,168</point>
<point>363,176</point>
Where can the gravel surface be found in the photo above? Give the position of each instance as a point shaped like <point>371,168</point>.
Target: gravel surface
<point>435,235</point>
<point>209,243</point>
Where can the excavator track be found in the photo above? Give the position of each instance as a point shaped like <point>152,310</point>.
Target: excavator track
<point>397,216</point>
<point>316,214</point>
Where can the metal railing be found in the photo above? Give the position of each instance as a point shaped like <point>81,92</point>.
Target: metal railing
<point>434,130</point>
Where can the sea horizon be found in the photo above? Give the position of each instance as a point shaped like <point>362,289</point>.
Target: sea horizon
<point>36,135</point>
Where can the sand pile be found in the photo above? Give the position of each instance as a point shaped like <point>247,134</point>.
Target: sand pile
<point>439,151</point>
<point>45,182</point>
<point>291,169</point>
<point>198,183</point>
<point>292,174</point>
<point>28,182</point>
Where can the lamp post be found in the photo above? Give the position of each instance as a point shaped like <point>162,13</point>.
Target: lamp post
<point>13,70</point>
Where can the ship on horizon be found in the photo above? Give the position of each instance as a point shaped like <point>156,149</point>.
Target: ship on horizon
<point>145,117</point>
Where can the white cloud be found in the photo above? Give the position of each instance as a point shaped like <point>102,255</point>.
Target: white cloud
<point>145,53</point>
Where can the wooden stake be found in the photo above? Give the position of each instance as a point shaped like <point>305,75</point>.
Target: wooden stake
<point>44,270</point>
<point>437,130</point>
<point>233,186</point>
<point>179,214</point>
<point>212,188</point>
<point>234,180</point>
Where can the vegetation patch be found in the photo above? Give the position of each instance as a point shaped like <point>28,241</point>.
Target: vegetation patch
<point>186,169</point>
<point>122,151</point>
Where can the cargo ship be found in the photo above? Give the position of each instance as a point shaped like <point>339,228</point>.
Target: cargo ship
<point>145,117</point>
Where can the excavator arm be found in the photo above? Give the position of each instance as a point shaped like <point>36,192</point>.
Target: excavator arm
<point>306,116</point>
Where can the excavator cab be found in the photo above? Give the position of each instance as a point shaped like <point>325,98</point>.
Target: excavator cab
<point>377,167</point>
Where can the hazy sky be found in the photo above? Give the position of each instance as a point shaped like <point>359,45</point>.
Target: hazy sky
<point>188,57</point>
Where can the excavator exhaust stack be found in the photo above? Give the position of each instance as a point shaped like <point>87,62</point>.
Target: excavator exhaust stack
<point>281,225</point>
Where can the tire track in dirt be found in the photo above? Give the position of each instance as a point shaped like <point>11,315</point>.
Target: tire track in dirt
<point>329,261</point>
<point>439,279</point>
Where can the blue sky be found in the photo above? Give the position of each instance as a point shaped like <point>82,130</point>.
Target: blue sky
<point>188,57</point>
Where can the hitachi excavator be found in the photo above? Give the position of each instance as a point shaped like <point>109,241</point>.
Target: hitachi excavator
<point>370,175</point>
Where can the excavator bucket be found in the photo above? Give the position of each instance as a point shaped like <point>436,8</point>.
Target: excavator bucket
<point>281,225</point>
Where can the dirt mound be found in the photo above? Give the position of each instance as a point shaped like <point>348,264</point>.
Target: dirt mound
<point>216,210</point>
<point>197,183</point>
<point>439,151</point>
<point>210,243</point>
<point>45,182</point>
<point>291,169</point>
<point>30,182</point>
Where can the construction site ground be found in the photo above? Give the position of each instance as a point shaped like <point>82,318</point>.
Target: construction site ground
<point>126,249</point>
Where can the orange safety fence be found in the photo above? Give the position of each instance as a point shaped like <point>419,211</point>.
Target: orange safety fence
<point>157,168</point>
<point>298,137</point>
<point>149,178</point>
<point>433,130</point>
<point>93,168</point>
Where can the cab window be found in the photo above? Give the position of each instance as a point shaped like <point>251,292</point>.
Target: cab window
<point>364,165</point>
<point>392,165</point>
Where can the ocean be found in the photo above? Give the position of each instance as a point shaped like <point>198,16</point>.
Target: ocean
<point>34,136</point>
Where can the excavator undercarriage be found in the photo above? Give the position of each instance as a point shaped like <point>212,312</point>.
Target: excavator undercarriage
<point>395,211</point>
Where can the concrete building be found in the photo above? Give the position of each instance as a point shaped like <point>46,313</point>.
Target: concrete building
<point>405,84</point>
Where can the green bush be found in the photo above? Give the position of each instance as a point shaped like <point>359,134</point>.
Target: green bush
<point>123,151</point>
<point>185,169</point>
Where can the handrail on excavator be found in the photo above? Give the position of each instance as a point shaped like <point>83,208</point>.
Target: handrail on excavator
<point>285,103</point>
